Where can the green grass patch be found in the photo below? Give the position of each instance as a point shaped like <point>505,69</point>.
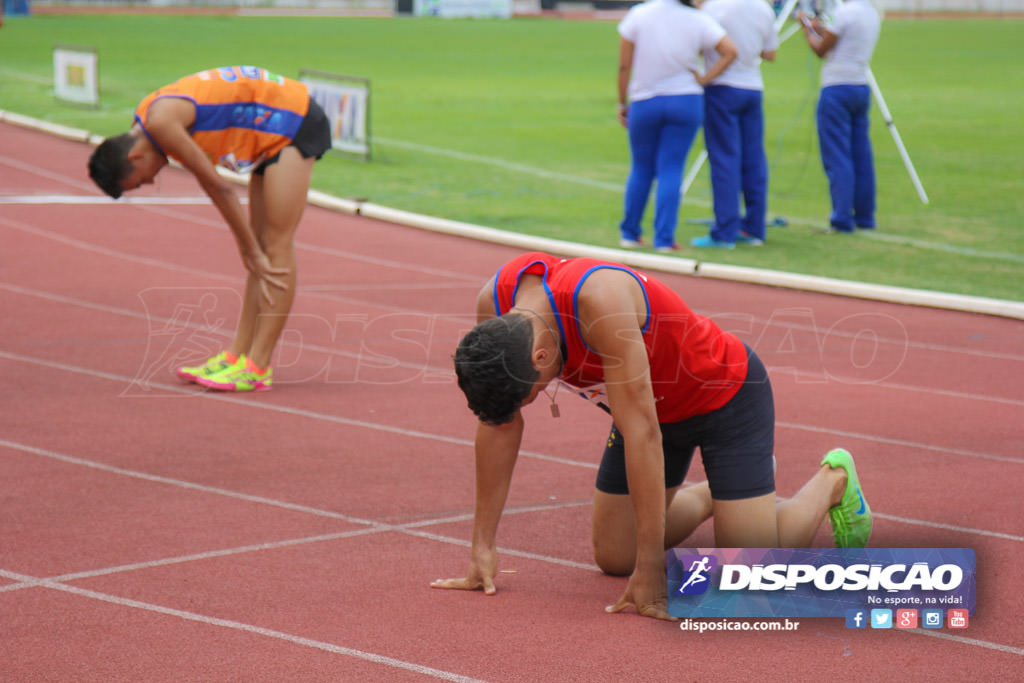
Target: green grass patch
<point>511,124</point>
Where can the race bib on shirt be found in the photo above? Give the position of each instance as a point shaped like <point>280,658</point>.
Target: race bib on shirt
<point>596,394</point>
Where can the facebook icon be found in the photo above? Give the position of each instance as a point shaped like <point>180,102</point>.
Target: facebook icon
<point>856,618</point>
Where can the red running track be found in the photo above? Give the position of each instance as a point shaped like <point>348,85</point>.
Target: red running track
<point>153,532</point>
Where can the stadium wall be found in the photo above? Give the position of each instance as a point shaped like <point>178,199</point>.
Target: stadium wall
<point>520,7</point>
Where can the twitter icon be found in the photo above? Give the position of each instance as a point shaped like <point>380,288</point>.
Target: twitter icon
<point>881,618</point>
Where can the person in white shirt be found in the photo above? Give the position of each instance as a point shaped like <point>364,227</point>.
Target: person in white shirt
<point>661,103</point>
<point>734,124</point>
<point>846,43</point>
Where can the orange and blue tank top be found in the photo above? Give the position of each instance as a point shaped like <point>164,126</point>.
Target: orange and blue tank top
<point>244,114</point>
<point>696,367</point>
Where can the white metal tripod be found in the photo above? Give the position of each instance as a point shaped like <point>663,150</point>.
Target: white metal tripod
<point>875,91</point>
<point>887,117</point>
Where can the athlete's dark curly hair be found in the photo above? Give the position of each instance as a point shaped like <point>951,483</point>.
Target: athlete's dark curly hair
<point>109,164</point>
<point>494,367</point>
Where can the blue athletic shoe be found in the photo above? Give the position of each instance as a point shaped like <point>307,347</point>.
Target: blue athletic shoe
<point>749,240</point>
<point>708,242</point>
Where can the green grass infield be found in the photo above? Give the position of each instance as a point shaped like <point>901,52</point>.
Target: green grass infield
<point>512,125</point>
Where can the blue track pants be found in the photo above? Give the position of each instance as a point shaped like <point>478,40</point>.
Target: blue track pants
<point>661,131</point>
<point>734,137</point>
<point>846,154</point>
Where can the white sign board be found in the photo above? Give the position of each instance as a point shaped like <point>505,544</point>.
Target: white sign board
<point>76,74</point>
<point>346,101</point>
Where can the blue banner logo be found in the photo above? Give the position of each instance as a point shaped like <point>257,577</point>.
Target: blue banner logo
<point>818,582</point>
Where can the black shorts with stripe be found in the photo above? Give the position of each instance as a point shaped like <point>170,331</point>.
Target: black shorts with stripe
<point>737,444</point>
<point>312,139</point>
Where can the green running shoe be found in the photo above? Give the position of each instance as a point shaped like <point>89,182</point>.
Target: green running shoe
<point>851,519</point>
<point>222,360</point>
<point>242,376</point>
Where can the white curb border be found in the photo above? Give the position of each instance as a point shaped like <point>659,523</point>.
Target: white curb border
<point>669,264</point>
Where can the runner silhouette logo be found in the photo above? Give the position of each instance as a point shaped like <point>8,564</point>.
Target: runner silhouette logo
<point>697,574</point>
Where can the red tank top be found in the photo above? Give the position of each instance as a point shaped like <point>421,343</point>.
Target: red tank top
<point>696,367</point>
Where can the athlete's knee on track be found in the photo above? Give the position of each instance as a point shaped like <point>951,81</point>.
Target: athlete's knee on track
<point>614,558</point>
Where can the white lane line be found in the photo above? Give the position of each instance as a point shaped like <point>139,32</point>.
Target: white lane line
<point>447,371</point>
<point>743,324</point>
<point>950,527</point>
<point>439,372</point>
<point>966,641</point>
<point>723,319</point>
<point>435,373</point>
<point>235,280</point>
<point>298,412</point>
<point>396,286</point>
<point>76,182</point>
<point>28,77</point>
<point>79,200</point>
<point>468,443</point>
<point>508,165</point>
<point>113,253</point>
<point>240,626</point>
<point>688,199</point>
<point>728,320</point>
<point>304,246</point>
<point>374,527</point>
<point>348,255</point>
<point>874,438</point>
<point>815,377</point>
<point>196,557</point>
<point>411,529</point>
<point>229,398</point>
<point>599,184</point>
<point>949,248</point>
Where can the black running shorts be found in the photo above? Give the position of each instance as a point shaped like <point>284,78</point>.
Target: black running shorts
<point>737,443</point>
<point>312,139</point>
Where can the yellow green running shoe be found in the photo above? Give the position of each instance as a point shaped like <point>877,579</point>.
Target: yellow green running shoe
<point>242,376</point>
<point>222,360</point>
<point>851,519</point>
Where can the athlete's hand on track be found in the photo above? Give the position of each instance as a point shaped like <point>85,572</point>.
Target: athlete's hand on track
<point>258,264</point>
<point>482,566</point>
<point>646,595</point>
